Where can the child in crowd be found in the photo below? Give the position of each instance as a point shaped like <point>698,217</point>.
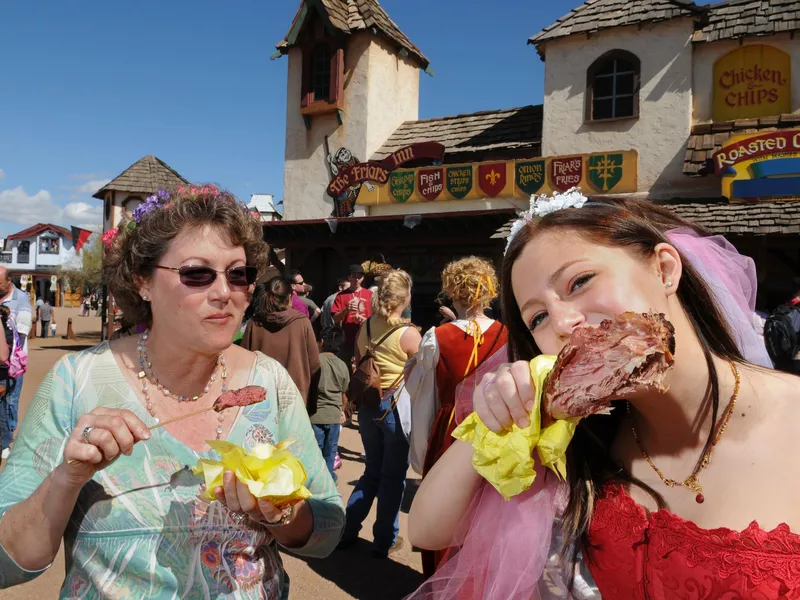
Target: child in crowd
<point>331,399</point>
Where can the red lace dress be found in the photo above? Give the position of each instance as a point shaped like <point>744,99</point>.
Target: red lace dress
<point>662,556</point>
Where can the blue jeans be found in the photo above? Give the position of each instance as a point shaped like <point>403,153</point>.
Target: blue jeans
<point>328,442</point>
<point>384,476</point>
<point>45,328</point>
<point>9,410</point>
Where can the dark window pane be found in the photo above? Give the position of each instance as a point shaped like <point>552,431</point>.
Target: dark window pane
<point>625,84</point>
<point>603,86</point>
<point>602,109</point>
<point>624,107</point>
<point>623,66</point>
<point>321,73</point>
<point>606,68</point>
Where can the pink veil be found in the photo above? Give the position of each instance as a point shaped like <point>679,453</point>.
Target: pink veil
<point>731,277</point>
<point>502,549</point>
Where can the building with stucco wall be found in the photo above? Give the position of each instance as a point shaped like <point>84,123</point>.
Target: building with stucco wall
<point>634,103</point>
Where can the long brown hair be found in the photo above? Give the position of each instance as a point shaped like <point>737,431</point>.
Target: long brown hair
<point>638,227</point>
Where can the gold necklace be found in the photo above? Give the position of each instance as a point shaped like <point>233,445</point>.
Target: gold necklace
<point>692,482</point>
<point>147,369</point>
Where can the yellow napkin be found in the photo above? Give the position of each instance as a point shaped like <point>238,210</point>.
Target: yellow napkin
<point>506,459</point>
<point>270,472</point>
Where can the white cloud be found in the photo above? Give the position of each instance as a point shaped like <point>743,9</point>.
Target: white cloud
<point>17,206</point>
<point>2,174</point>
<point>91,186</point>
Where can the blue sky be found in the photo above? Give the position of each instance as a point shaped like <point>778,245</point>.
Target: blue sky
<point>89,87</point>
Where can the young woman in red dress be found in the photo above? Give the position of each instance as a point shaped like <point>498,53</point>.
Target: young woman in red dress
<point>689,493</point>
<point>448,360</point>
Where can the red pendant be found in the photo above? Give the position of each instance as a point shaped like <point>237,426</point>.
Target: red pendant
<point>700,498</point>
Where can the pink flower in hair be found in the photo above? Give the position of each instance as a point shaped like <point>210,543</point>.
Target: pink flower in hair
<point>108,237</point>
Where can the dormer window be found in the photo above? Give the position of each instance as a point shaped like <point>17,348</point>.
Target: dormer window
<point>323,71</point>
<point>612,87</point>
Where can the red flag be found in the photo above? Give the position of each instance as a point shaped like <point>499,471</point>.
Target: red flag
<point>79,237</point>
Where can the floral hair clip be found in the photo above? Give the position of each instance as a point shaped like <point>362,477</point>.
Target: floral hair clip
<point>543,205</point>
<point>108,236</point>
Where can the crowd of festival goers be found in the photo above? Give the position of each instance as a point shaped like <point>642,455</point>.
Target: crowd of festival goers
<point>624,526</point>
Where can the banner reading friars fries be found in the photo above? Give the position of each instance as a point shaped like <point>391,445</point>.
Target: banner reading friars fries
<point>602,173</point>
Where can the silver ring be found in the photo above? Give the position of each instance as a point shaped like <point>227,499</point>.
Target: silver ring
<point>86,432</point>
<point>237,517</point>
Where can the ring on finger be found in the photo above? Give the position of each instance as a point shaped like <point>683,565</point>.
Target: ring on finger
<point>86,432</point>
<point>286,518</point>
<point>238,517</point>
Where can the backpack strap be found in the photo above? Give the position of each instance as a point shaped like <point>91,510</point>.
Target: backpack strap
<point>371,347</point>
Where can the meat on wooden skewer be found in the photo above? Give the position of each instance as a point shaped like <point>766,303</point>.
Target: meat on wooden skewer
<point>245,396</point>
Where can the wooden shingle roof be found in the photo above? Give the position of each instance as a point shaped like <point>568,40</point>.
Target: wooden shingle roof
<point>146,176</point>
<point>595,15</point>
<point>707,138</point>
<point>726,218</point>
<point>493,131</point>
<point>747,18</point>
<point>351,16</point>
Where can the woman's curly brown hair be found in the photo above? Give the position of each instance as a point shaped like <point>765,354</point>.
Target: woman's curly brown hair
<point>138,246</point>
<point>470,281</point>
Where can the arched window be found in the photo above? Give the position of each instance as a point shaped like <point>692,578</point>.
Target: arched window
<point>612,87</point>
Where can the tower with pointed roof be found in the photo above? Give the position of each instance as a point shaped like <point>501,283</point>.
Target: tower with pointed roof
<point>128,189</point>
<point>353,78</point>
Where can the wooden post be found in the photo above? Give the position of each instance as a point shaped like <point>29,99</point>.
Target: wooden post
<point>70,333</point>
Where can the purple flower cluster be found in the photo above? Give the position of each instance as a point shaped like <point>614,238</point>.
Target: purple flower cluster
<point>152,203</point>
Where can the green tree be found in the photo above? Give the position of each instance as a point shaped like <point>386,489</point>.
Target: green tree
<point>85,271</point>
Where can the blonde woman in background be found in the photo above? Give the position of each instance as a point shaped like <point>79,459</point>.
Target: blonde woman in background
<point>393,341</point>
<point>448,362</point>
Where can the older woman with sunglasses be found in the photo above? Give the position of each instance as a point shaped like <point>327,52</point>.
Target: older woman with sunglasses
<point>89,468</point>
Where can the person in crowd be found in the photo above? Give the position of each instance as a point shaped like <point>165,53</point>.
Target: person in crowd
<point>19,304</point>
<point>296,302</point>
<point>36,318</point>
<point>331,397</point>
<point>85,306</point>
<point>385,443</point>
<point>449,357</point>
<point>350,309</point>
<point>94,302</point>
<point>88,469</point>
<point>781,335</point>
<point>46,315</point>
<point>662,493</point>
<point>286,335</point>
<point>326,318</point>
<point>6,346</point>
<point>301,290</point>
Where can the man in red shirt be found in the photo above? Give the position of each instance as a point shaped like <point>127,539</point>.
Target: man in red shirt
<point>350,309</point>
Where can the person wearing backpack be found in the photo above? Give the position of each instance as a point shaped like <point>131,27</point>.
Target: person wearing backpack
<point>385,343</point>
<point>782,336</point>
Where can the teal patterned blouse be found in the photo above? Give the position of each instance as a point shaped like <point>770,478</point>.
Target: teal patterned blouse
<point>140,528</point>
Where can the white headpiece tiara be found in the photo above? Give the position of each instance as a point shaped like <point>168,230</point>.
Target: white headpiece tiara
<point>543,205</point>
